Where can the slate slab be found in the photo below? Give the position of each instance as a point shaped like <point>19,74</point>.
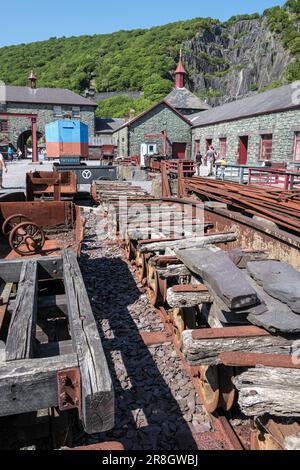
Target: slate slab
<point>279,280</point>
<point>221,274</point>
<point>278,318</point>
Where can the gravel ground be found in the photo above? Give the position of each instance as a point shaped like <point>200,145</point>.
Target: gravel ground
<point>156,405</point>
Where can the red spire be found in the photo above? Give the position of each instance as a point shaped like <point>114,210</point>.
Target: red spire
<point>180,73</point>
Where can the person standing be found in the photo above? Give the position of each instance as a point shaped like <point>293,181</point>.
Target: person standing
<point>2,168</point>
<point>10,153</point>
<point>211,158</point>
<point>199,161</point>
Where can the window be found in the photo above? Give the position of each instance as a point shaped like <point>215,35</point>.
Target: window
<point>57,111</point>
<point>76,111</point>
<point>151,148</point>
<point>3,126</point>
<point>266,147</point>
<point>223,147</point>
<point>297,147</point>
<point>197,146</point>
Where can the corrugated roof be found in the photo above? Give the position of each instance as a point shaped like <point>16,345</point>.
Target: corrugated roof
<point>279,99</point>
<point>108,125</point>
<point>182,98</point>
<point>56,96</point>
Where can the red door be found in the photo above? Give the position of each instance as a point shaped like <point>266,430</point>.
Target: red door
<point>243,151</point>
<point>208,143</point>
<point>179,150</point>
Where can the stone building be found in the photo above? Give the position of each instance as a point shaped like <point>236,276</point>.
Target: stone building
<point>263,127</point>
<point>160,130</point>
<point>49,104</point>
<point>165,128</point>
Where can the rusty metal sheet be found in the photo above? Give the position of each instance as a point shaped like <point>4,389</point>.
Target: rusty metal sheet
<point>43,213</point>
<point>189,288</point>
<point>230,332</point>
<point>155,338</point>
<point>239,359</point>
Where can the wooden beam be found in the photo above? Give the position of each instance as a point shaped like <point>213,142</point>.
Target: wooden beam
<point>193,242</point>
<point>173,271</point>
<point>48,268</point>
<point>97,388</point>
<point>2,352</point>
<point>269,390</point>
<point>191,296</point>
<point>207,348</point>
<point>31,385</point>
<point>19,343</point>
<point>4,299</point>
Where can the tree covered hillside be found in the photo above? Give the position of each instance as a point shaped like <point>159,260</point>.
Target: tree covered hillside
<point>143,60</point>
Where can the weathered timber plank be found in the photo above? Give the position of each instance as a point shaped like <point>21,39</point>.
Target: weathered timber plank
<point>19,343</point>
<point>31,385</point>
<point>269,390</point>
<point>220,273</point>
<point>97,388</point>
<point>4,299</point>
<point>194,242</point>
<point>187,299</point>
<point>207,351</point>
<point>279,280</point>
<point>48,268</point>
<point>173,271</point>
<point>2,352</point>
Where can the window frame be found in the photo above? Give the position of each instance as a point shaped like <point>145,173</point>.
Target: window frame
<point>265,139</point>
<point>55,111</point>
<point>296,143</point>
<point>223,141</point>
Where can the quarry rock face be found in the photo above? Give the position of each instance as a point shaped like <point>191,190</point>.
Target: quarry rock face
<point>235,60</point>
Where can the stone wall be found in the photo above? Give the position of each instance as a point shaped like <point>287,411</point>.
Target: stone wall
<point>154,122</point>
<point>45,114</point>
<point>120,139</point>
<point>129,140</point>
<point>282,125</point>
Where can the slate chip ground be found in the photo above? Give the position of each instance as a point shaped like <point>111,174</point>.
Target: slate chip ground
<point>155,399</point>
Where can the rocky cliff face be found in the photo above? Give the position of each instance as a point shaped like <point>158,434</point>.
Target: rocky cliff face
<point>230,62</point>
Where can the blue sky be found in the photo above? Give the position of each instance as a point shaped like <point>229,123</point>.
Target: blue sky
<point>35,20</point>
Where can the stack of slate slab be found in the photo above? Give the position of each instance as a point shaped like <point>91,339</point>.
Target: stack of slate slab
<point>264,293</point>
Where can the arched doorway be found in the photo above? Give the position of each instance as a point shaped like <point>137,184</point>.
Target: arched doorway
<point>24,141</point>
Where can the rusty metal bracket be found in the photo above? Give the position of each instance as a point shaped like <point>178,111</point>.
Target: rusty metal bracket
<point>69,389</point>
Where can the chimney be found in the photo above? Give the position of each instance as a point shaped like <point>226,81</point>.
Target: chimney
<point>180,73</point>
<point>32,80</point>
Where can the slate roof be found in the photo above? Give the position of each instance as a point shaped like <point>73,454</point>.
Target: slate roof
<point>108,125</point>
<point>280,99</point>
<point>182,98</point>
<point>55,96</point>
<point>163,102</point>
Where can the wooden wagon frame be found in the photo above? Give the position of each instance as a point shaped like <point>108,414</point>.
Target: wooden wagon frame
<point>37,372</point>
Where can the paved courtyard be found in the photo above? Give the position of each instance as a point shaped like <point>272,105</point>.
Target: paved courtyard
<point>15,178</point>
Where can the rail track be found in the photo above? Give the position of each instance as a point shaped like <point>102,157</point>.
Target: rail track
<point>160,272</point>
